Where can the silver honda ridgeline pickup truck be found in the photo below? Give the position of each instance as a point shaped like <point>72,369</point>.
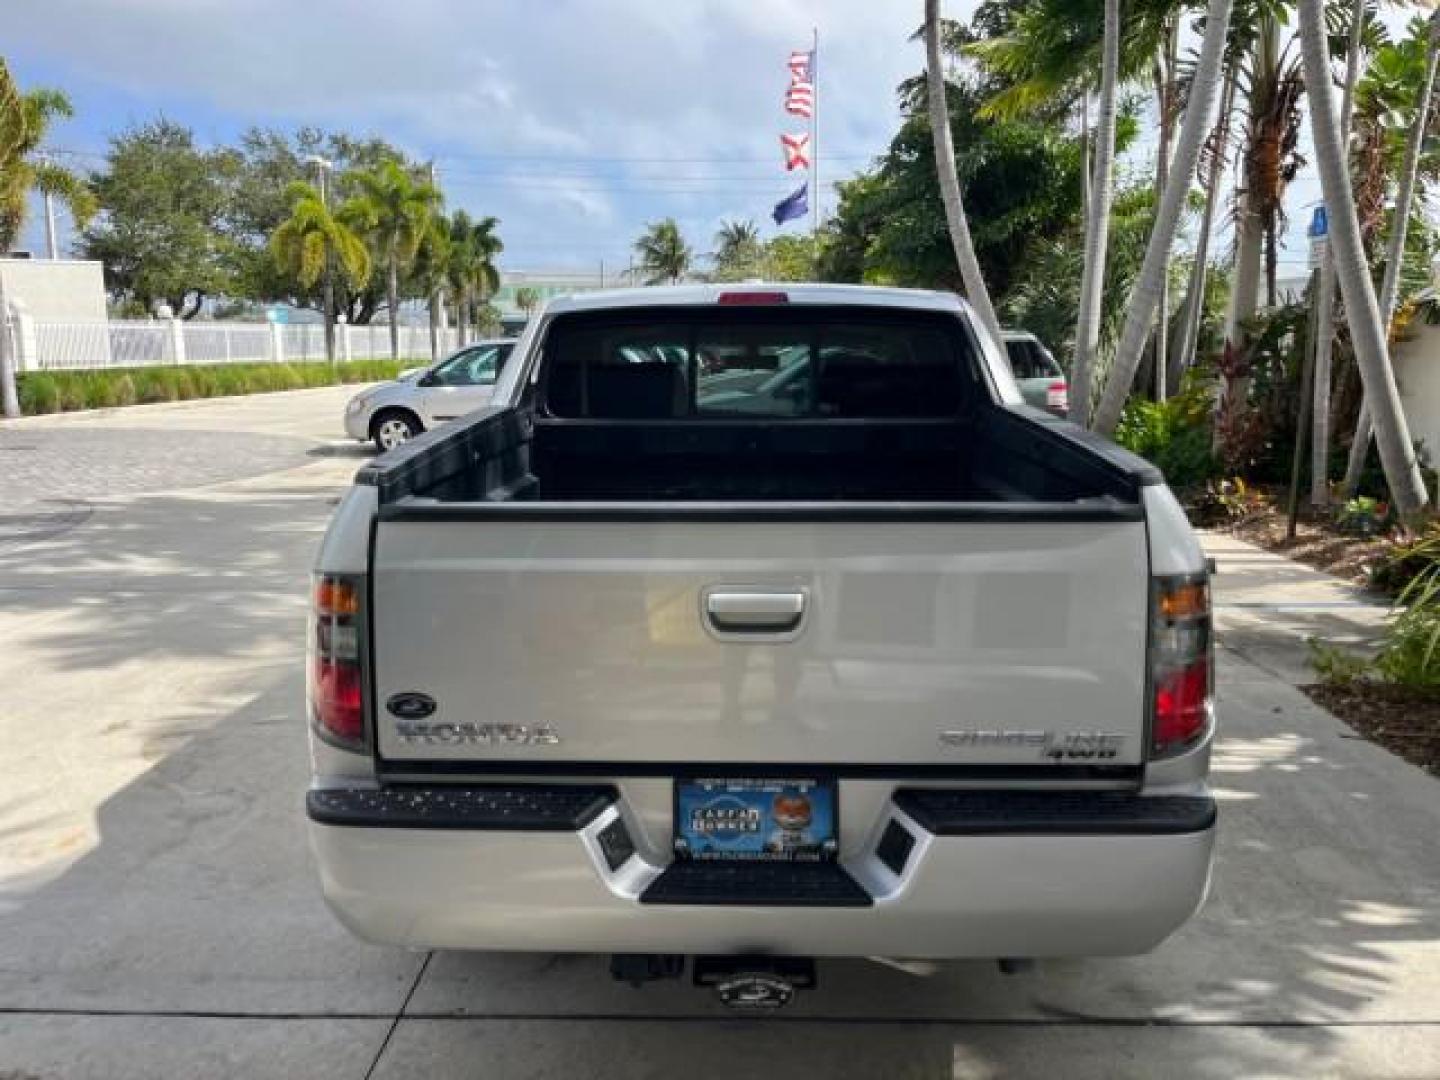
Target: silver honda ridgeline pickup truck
<point>761,621</point>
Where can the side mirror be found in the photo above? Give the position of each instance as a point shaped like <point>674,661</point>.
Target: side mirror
<point>428,379</point>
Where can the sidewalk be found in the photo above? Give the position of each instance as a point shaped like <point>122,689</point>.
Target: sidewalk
<point>1268,606</point>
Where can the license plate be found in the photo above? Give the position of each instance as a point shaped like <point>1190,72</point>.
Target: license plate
<point>776,820</point>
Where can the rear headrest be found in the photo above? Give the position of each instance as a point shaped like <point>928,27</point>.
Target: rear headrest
<point>855,385</point>
<point>654,390</point>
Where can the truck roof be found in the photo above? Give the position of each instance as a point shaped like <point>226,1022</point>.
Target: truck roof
<point>796,293</point>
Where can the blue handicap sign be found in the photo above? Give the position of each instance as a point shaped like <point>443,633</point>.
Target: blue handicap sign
<point>1319,224</point>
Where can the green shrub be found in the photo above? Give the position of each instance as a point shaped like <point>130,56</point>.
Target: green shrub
<point>1173,435</point>
<point>124,390</point>
<point>64,391</point>
<point>1336,666</point>
<point>39,393</point>
<point>1363,516</point>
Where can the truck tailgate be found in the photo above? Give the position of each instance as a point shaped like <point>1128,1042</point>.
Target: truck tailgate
<point>644,642</point>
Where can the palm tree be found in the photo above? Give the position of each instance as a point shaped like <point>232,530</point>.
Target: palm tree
<point>472,272</point>
<point>397,208</point>
<point>662,254</point>
<point>1367,327</point>
<point>738,251</point>
<point>432,271</point>
<point>1325,293</point>
<point>1212,172</point>
<point>1395,257</point>
<point>527,299</point>
<point>1156,266</point>
<point>1097,224</point>
<point>312,238</point>
<point>24,119</point>
<point>949,178</point>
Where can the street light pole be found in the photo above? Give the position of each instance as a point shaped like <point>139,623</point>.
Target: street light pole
<point>322,168</point>
<point>52,245</point>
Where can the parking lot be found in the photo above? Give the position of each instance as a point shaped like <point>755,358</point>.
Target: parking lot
<point>158,916</point>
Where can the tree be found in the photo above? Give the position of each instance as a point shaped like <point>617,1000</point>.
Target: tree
<point>1367,329</point>
<point>790,257</point>
<point>25,117</point>
<point>472,272</point>
<point>160,236</point>
<point>949,178</point>
<point>267,163</point>
<point>396,208</point>
<point>1156,267</point>
<point>1021,177</point>
<point>1325,292</point>
<point>662,256</point>
<point>1097,225</point>
<point>738,251</point>
<point>1395,257</point>
<point>432,272</point>
<point>311,240</point>
<point>527,299</point>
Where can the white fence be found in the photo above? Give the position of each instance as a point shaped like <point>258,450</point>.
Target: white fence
<point>77,346</point>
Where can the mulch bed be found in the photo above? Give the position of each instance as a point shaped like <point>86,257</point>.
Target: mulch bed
<point>1402,720</point>
<point>1317,543</point>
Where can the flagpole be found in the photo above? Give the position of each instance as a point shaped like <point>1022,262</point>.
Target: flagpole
<point>815,131</point>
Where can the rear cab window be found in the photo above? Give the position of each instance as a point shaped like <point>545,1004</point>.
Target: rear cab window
<point>798,363</point>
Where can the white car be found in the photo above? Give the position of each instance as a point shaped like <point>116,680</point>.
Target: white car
<point>395,412</point>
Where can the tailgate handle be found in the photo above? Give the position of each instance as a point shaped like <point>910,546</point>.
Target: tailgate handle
<point>733,611</point>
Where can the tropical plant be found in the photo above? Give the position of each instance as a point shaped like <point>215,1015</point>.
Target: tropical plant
<point>472,272</point>
<point>739,254</point>
<point>527,299</point>
<point>431,271</point>
<point>1154,271</point>
<point>949,178</point>
<point>1395,257</point>
<point>1097,223</point>
<point>25,117</point>
<point>662,255</point>
<point>1320,403</point>
<point>1367,328</point>
<point>395,209</point>
<point>313,240</point>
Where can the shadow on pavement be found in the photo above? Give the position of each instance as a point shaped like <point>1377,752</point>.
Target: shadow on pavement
<point>180,618</point>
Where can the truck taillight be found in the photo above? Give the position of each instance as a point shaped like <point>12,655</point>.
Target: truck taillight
<point>1181,666</point>
<point>336,678</point>
<point>1057,397</point>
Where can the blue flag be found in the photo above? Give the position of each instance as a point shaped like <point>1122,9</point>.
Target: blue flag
<point>793,205</point>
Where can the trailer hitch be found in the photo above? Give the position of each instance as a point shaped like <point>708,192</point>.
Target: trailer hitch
<point>755,983</point>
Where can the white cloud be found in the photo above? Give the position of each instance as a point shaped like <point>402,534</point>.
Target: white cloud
<point>494,88</point>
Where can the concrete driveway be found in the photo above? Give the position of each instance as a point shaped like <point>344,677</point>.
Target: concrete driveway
<point>158,917</point>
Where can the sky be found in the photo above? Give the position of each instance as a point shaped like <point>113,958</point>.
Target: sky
<point>575,122</point>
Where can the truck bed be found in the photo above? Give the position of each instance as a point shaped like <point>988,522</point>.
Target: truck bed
<point>999,457</point>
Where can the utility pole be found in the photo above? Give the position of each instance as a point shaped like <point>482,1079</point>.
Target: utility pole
<point>322,168</point>
<point>52,245</point>
<point>9,398</point>
<point>437,291</point>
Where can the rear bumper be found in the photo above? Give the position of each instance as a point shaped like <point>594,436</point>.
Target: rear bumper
<point>1045,888</point>
<point>357,424</point>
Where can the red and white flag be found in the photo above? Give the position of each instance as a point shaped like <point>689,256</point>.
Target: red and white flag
<point>800,96</point>
<point>797,151</point>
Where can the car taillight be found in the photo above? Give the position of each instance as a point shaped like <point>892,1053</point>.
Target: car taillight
<point>1057,396</point>
<point>1181,667</point>
<point>337,684</point>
